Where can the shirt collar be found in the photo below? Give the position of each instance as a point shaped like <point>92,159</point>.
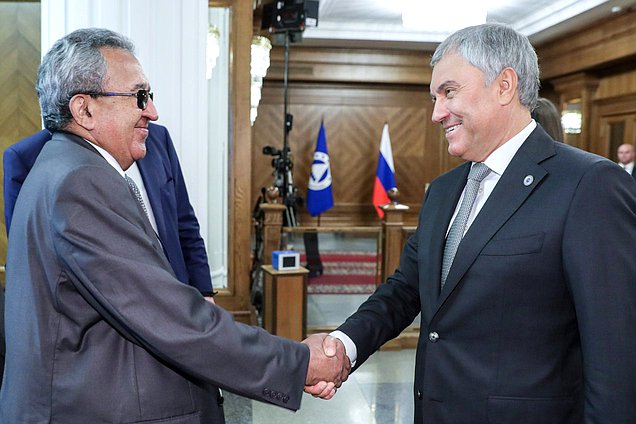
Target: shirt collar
<point>499,160</point>
<point>109,158</point>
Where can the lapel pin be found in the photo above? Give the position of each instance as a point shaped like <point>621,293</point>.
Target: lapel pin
<point>528,180</point>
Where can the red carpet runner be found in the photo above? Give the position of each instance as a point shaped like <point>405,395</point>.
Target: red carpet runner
<point>345,272</point>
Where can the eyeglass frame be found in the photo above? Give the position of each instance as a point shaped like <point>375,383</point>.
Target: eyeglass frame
<point>141,95</point>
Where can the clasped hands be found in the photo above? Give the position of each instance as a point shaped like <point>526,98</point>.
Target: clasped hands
<point>329,365</point>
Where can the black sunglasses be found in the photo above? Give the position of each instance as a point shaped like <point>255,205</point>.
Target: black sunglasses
<point>142,96</point>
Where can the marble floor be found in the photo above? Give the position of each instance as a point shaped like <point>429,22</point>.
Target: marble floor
<point>379,392</point>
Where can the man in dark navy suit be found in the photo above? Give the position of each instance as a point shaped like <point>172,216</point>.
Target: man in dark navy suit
<point>522,266</point>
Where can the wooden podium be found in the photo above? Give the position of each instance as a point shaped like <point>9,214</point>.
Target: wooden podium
<point>285,302</point>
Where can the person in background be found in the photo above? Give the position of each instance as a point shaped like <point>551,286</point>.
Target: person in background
<point>546,114</point>
<point>522,266</point>
<point>98,327</point>
<point>2,348</point>
<point>625,155</point>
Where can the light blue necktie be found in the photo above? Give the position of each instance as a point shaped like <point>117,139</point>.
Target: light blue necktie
<point>477,173</point>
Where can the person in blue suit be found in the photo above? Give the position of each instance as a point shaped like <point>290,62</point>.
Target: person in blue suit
<point>177,225</point>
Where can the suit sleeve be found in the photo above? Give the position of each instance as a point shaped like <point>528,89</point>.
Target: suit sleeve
<point>15,173</point>
<point>192,244</point>
<point>98,233</point>
<point>600,268</point>
<point>391,309</point>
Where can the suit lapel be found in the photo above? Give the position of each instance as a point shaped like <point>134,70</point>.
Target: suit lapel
<point>522,176</point>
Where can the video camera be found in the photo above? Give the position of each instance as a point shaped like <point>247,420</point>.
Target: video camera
<point>290,15</point>
<point>280,162</point>
<point>283,164</point>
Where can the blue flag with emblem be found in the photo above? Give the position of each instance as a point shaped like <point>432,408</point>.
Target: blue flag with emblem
<point>319,194</point>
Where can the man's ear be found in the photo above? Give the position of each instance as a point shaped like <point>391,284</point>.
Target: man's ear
<point>507,84</point>
<point>80,106</point>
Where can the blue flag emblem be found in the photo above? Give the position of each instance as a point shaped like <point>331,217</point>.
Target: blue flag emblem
<point>319,194</point>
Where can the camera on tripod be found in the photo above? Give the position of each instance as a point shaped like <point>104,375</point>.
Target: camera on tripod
<point>280,162</point>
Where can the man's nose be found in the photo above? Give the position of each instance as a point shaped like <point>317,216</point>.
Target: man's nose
<point>439,112</point>
<point>151,111</point>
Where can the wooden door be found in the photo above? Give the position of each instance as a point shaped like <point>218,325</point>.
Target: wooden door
<point>617,130</point>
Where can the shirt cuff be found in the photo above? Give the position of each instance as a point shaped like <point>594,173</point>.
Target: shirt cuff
<point>350,346</point>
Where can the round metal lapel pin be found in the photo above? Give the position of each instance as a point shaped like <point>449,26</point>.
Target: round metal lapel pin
<point>529,179</point>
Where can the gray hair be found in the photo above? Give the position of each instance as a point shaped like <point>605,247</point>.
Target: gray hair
<point>74,65</point>
<point>493,47</point>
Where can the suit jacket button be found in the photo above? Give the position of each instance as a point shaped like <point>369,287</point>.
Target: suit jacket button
<point>286,399</point>
<point>433,336</point>
<point>265,392</point>
<point>419,394</point>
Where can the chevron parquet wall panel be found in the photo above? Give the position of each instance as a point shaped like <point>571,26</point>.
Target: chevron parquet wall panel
<point>353,118</point>
<point>19,61</point>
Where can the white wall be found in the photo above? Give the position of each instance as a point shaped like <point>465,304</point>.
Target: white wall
<point>170,39</point>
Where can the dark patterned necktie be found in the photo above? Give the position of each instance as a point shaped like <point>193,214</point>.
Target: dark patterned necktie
<point>137,193</point>
<point>456,232</point>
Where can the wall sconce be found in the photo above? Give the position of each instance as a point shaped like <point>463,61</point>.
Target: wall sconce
<point>571,118</point>
<point>212,50</point>
<point>261,47</point>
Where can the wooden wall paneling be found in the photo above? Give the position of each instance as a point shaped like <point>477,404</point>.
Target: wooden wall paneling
<point>617,85</point>
<point>606,42</point>
<point>20,58</point>
<point>605,111</point>
<point>580,88</point>
<point>354,116</point>
<point>351,65</point>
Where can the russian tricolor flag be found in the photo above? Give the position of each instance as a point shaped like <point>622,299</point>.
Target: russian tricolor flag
<point>385,174</point>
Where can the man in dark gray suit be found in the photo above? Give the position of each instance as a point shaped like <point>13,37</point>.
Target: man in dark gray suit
<point>522,265</point>
<point>99,329</point>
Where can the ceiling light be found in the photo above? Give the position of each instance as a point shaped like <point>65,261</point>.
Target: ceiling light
<point>434,16</point>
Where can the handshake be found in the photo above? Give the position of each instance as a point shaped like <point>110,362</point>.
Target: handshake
<point>329,365</point>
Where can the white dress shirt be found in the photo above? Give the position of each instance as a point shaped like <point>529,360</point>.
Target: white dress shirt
<point>498,161</point>
<point>629,167</point>
<point>132,172</point>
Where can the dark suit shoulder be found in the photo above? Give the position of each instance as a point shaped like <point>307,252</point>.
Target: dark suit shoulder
<point>577,155</point>
<point>28,149</point>
<point>67,152</point>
